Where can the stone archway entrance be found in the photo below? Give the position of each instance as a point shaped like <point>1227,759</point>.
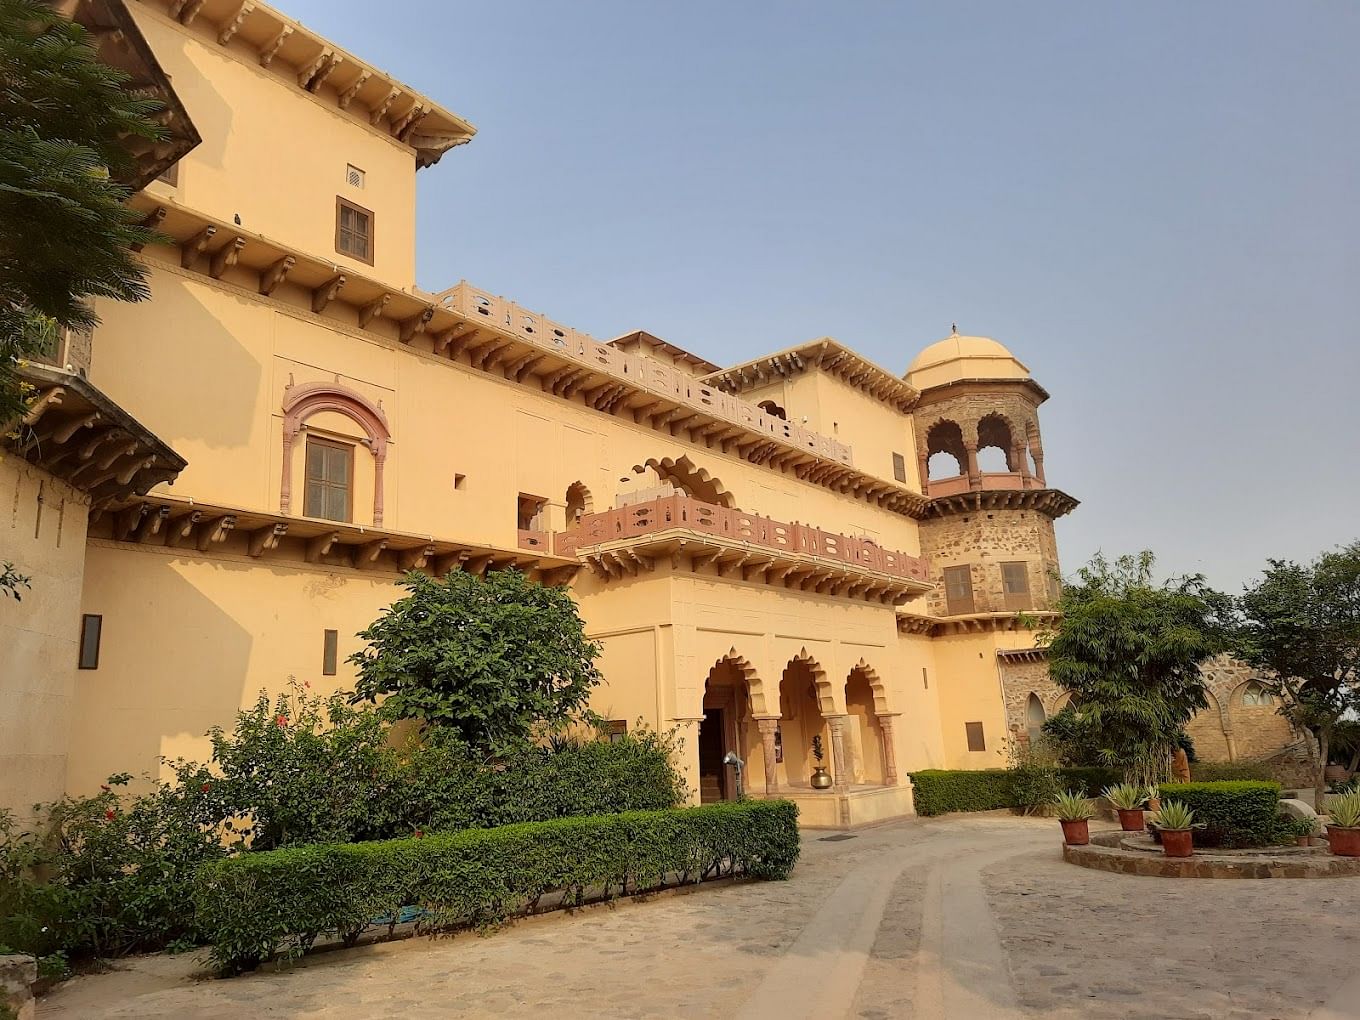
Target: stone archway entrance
<point>725,728</point>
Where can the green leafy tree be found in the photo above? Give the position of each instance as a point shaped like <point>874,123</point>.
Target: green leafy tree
<point>65,234</point>
<point>498,660</point>
<point>1301,625</point>
<point>1129,649</point>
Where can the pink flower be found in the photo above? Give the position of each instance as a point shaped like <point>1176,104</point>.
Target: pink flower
<point>109,814</point>
<point>206,787</point>
<point>281,721</point>
<point>420,834</point>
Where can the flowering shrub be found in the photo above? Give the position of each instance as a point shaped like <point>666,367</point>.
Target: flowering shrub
<point>255,905</point>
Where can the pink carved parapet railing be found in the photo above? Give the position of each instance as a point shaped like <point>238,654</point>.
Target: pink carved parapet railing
<point>990,481</point>
<point>536,540</point>
<point>684,513</point>
<point>647,373</point>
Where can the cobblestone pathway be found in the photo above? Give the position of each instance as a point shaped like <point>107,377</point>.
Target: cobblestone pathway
<point>961,917</point>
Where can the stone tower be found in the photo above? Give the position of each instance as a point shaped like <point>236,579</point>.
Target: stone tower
<point>988,528</point>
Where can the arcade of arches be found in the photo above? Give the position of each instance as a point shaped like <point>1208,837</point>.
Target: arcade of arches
<point>854,730</point>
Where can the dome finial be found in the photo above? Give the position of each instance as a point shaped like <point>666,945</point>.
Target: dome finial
<point>953,329</point>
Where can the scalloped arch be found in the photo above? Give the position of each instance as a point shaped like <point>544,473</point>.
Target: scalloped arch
<point>687,476</point>
<point>301,402</point>
<point>826,698</point>
<point>755,687</point>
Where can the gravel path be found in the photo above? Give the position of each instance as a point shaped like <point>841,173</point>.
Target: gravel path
<point>961,917</point>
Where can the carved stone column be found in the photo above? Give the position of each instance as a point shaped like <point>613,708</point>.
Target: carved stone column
<point>974,473</point>
<point>885,723</point>
<point>840,765</point>
<point>1020,456</point>
<point>767,724</point>
<point>1038,454</point>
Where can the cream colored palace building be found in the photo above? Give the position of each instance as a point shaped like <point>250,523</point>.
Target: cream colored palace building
<point>221,486</point>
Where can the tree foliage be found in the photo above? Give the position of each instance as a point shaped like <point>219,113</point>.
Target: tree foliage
<point>1129,649</point>
<point>1301,625</point>
<point>498,660</point>
<point>65,234</point>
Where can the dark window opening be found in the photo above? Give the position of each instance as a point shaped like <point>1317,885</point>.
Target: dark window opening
<point>330,650</point>
<point>899,467</point>
<point>529,515</point>
<point>616,730</point>
<point>91,631</point>
<point>976,742</point>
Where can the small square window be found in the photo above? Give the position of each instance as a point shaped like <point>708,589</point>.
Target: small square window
<point>330,647</point>
<point>354,177</point>
<point>899,467</point>
<point>353,230</point>
<point>976,742</point>
<point>616,730</point>
<point>91,630</point>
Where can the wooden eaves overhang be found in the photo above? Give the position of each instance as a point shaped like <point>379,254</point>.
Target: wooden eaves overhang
<point>315,65</point>
<point>492,335</point>
<point>827,355</point>
<point>727,558</point>
<point>974,623</point>
<point>119,43</point>
<point>76,433</point>
<point>176,523</point>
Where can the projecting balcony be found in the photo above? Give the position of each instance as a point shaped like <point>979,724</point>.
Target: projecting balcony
<point>742,545</point>
<point>986,481</point>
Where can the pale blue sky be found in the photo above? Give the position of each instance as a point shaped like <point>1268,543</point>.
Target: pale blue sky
<point>1153,204</point>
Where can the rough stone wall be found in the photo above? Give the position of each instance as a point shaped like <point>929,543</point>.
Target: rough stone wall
<point>967,409</point>
<point>1258,732</point>
<point>984,540</point>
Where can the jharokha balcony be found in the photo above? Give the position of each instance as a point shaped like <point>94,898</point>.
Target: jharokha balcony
<point>744,546</point>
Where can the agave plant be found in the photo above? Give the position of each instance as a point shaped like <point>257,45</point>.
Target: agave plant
<point>1073,807</point>
<point>1125,796</point>
<point>1175,817</point>
<point>1345,811</point>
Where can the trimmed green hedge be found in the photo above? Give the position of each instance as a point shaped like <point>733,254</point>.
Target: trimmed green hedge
<point>255,905</point>
<point>1223,771</point>
<point>940,791</point>
<point>1237,813</point>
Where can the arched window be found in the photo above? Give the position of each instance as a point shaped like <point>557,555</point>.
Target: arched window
<point>1034,717</point>
<point>944,450</point>
<point>686,476</point>
<point>1256,695</point>
<point>773,409</point>
<point>330,470</point>
<point>578,503</point>
<point>996,445</point>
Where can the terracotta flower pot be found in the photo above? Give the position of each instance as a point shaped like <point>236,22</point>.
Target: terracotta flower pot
<point>1154,804</point>
<point>1077,832</point>
<point>1344,842</point>
<point>1336,773</point>
<point>1303,840</point>
<point>1131,820</point>
<point>1178,842</point>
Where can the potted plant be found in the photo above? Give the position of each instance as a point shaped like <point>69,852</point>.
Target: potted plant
<point>1343,828</point>
<point>1174,823</point>
<point>1075,813</point>
<point>1128,801</point>
<point>821,778</point>
<point>1153,798</point>
<point>1304,831</point>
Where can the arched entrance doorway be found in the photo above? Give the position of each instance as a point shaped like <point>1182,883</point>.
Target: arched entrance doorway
<point>727,726</point>
<point>865,734</point>
<point>800,720</point>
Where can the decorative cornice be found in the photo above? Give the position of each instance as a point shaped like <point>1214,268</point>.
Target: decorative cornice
<point>1051,502</point>
<point>826,355</point>
<point>959,387</point>
<point>1022,654</point>
<point>974,623</point>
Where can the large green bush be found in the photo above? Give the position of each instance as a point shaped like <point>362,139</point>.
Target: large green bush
<point>112,873</point>
<point>1235,813</point>
<point>253,906</point>
<point>940,791</point>
<point>1220,771</point>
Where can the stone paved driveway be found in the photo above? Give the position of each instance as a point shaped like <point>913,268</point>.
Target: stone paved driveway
<point>966,917</point>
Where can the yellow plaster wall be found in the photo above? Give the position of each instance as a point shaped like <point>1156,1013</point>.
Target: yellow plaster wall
<point>189,639</point>
<point>277,156</point>
<point>205,365</point>
<point>42,531</point>
<point>970,691</point>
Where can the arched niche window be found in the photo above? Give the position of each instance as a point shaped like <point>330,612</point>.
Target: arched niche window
<point>996,445</point>
<point>773,409</point>
<point>1034,717</point>
<point>1255,695</point>
<point>333,422</point>
<point>945,452</point>
<point>578,503</point>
